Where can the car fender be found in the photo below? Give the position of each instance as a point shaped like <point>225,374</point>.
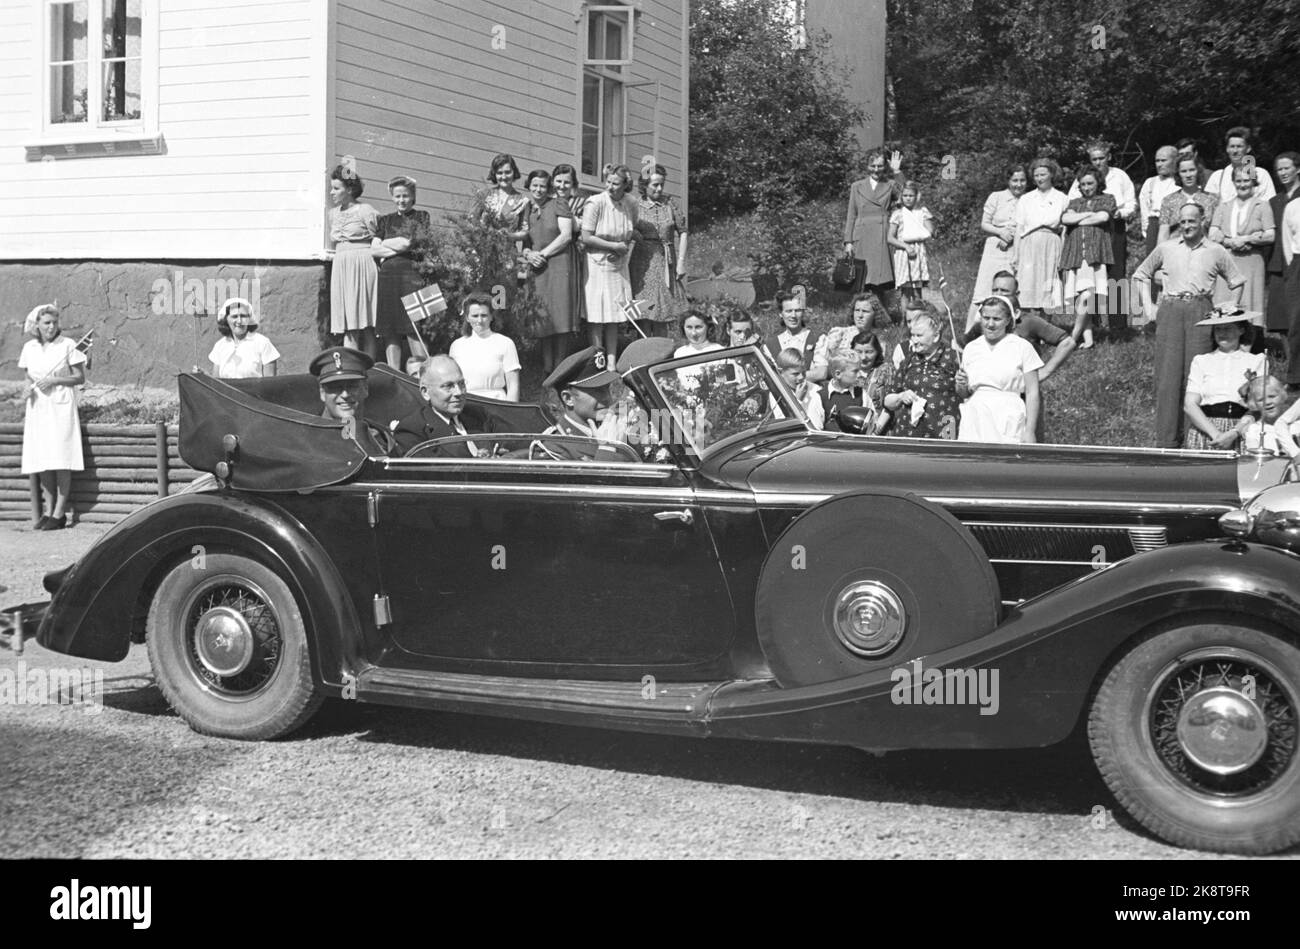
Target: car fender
<point>1049,652</point>
<point>97,611</point>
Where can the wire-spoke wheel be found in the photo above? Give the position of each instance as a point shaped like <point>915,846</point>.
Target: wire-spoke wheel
<point>229,648</point>
<point>1195,732</point>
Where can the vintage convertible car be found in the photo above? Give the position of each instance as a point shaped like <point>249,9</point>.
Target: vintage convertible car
<point>726,571</point>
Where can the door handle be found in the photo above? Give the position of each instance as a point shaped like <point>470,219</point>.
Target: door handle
<point>684,517</point>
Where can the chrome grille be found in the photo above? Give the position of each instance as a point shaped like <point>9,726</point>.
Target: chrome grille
<point>1148,538</point>
<point>1094,545</point>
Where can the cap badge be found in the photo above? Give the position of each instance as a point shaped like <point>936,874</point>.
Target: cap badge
<point>338,360</point>
<point>599,359</point>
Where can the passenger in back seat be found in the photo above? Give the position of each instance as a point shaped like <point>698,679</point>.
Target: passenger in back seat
<point>443,386</point>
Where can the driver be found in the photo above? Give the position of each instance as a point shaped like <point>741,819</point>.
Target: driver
<point>582,383</point>
<point>443,386</point>
<point>341,374</point>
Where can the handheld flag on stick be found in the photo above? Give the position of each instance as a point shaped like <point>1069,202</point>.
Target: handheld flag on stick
<point>632,310</point>
<point>941,285</point>
<point>81,346</point>
<point>420,305</point>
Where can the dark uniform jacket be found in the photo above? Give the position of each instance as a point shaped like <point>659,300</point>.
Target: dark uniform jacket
<point>426,424</point>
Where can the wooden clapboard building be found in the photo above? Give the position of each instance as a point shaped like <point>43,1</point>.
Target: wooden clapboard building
<point>161,155</point>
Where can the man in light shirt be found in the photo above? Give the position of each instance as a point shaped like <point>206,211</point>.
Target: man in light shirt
<point>1120,187</point>
<point>1237,144</point>
<point>1190,263</point>
<point>1154,191</point>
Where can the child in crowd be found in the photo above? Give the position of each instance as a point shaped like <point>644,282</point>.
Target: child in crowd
<point>790,364</point>
<point>874,376</point>
<point>742,331</point>
<point>842,389</point>
<point>1268,427</point>
<point>909,228</point>
<point>414,366</point>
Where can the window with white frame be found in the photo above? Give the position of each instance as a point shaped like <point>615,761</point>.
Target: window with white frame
<point>608,52</point>
<point>95,64</point>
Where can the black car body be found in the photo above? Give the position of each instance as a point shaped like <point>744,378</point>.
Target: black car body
<point>753,578</point>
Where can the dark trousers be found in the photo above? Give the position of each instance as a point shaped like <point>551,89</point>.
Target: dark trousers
<point>1291,291</point>
<point>1178,339</point>
<point>1117,298</point>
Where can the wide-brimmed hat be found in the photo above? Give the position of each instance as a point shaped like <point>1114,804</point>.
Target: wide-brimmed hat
<point>1226,313</point>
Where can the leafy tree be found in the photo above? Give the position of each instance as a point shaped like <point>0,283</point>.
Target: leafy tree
<point>764,114</point>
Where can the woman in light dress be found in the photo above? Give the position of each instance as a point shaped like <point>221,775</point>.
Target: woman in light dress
<point>999,222</point>
<point>1037,248</point>
<point>51,426</point>
<point>354,276</point>
<point>242,352</point>
<point>608,234</point>
<point>996,370</point>
<point>1244,226</point>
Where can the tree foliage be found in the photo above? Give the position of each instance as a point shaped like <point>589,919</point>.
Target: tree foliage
<point>764,114</point>
<point>1018,78</point>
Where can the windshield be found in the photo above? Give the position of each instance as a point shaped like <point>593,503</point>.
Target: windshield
<point>725,394</point>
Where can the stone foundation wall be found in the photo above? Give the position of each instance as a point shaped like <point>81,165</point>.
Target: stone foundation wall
<point>146,313</point>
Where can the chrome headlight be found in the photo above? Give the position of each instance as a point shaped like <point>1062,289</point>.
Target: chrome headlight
<point>1271,517</point>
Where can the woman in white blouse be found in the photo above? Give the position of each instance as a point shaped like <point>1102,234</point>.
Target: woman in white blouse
<point>242,352</point>
<point>488,360</point>
<point>1038,238</point>
<point>1213,403</point>
<point>999,222</point>
<point>998,380</point>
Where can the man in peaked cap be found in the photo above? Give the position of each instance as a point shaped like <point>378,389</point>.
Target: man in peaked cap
<point>582,383</point>
<point>341,374</point>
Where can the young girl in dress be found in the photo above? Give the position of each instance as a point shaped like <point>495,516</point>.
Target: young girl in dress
<point>51,428</point>
<point>698,333</point>
<point>242,352</point>
<point>909,228</point>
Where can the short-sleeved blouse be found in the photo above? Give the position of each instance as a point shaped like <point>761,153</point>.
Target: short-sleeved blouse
<point>353,224</point>
<point>608,220</point>
<point>1216,377</point>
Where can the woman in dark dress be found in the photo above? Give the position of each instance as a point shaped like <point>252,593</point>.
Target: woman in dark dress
<point>1287,166</point>
<point>400,239</point>
<point>550,232</point>
<point>564,185</point>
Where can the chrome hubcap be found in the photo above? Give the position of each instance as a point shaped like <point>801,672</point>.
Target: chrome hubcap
<point>223,641</point>
<point>869,618</point>
<point>1222,731</point>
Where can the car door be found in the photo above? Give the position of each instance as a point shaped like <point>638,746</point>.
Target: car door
<point>603,570</point>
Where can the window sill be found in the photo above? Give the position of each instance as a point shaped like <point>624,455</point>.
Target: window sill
<point>95,146</point>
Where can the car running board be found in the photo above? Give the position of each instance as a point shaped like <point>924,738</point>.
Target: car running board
<point>646,704</point>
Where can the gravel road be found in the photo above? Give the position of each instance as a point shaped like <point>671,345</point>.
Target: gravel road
<point>365,781</point>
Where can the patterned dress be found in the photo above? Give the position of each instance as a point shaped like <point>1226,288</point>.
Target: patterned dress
<point>931,376</point>
<point>398,275</point>
<point>653,267</point>
<point>354,277</point>
<point>911,271</point>
<point>505,209</point>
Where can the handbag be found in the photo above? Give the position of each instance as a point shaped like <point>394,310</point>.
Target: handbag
<point>845,273</point>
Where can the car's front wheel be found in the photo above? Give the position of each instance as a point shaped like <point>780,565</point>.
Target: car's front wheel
<point>228,647</point>
<point>1195,732</point>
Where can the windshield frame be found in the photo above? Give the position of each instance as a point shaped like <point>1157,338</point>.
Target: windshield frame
<point>795,418</point>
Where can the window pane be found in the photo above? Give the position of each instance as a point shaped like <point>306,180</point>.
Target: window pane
<point>590,125</point>
<point>121,28</point>
<point>68,32</point>
<point>595,36</point>
<point>68,93</point>
<point>122,90</point>
<point>614,39</point>
<point>612,121</point>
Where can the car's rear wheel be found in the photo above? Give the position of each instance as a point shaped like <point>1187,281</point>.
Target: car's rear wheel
<point>1195,732</point>
<point>228,647</point>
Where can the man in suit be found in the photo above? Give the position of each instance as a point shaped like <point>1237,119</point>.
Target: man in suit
<point>443,386</point>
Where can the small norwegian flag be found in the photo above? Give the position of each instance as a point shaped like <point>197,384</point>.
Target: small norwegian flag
<point>632,310</point>
<point>425,303</point>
